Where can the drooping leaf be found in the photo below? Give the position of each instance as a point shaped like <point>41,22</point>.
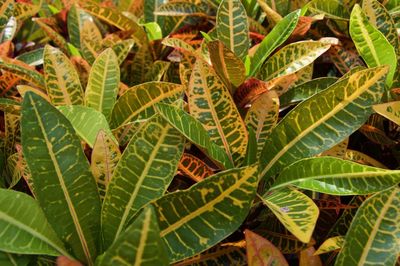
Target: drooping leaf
<point>143,174</point>
<point>139,245</point>
<point>262,117</point>
<point>262,252</point>
<point>22,70</point>
<point>59,168</point>
<point>211,103</point>
<point>194,131</point>
<point>335,176</point>
<point>24,228</point>
<point>389,110</point>
<point>371,43</point>
<point>292,58</point>
<point>331,244</point>
<point>86,121</point>
<point>374,233</point>
<point>102,88</point>
<point>297,212</point>
<point>138,102</point>
<point>62,81</point>
<point>274,39</point>
<point>214,208</point>
<point>104,159</point>
<point>232,27</point>
<point>326,125</point>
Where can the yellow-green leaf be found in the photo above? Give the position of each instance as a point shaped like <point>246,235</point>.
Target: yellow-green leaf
<point>22,70</point>
<point>331,244</point>
<point>389,110</point>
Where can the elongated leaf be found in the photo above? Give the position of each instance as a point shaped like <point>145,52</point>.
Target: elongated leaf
<point>76,18</point>
<point>122,49</point>
<point>6,11</point>
<point>139,67</point>
<point>116,19</point>
<point>86,121</point>
<point>297,212</point>
<point>274,39</point>
<point>211,103</point>
<point>339,150</point>
<point>62,81</point>
<point>345,56</point>
<point>389,110</point>
<point>138,102</point>
<point>371,43</point>
<point>22,71</point>
<point>9,259</point>
<point>57,38</point>
<point>374,233</point>
<point>105,156</point>
<point>262,252</point>
<point>314,132</point>
<point>124,133</point>
<point>157,71</point>
<point>24,228</point>
<point>194,168</point>
<point>229,68</point>
<point>292,58</point>
<point>362,158</point>
<point>139,245</point>
<point>331,244</point>
<point>262,117</point>
<point>179,8</point>
<point>143,174</point>
<point>90,41</point>
<point>213,209</point>
<point>102,88</point>
<point>10,106</point>
<point>336,176</point>
<point>194,131</point>
<point>59,168</point>
<point>232,27</point>
<point>32,58</point>
<point>329,8</point>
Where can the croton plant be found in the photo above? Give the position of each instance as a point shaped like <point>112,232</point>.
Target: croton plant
<point>199,132</point>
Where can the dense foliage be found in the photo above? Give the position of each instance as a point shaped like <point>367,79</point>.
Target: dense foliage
<point>199,132</point>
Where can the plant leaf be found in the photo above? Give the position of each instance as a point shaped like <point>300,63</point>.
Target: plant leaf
<point>374,233</point>
<point>261,252</point>
<point>371,43</point>
<point>308,258</point>
<point>6,11</point>
<point>143,174</point>
<point>194,168</point>
<point>350,98</point>
<point>24,228</point>
<point>122,49</point>
<point>335,176</point>
<point>22,70</point>
<point>102,88</point>
<point>274,39</point>
<point>292,58</point>
<point>59,168</point>
<point>194,131</point>
<point>62,81</point>
<point>297,212</point>
<point>211,103</point>
<point>232,27</point>
<point>329,8</point>
<point>139,245</point>
<point>214,208</point>
<point>331,244</point>
<point>389,110</point>
<point>138,102</point>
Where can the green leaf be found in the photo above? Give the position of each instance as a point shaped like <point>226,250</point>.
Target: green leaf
<point>32,58</point>
<point>104,159</point>
<point>138,102</point>
<point>59,169</point>
<point>371,43</point>
<point>232,27</point>
<point>211,103</point>
<point>22,70</point>
<point>139,67</point>
<point>179,8</point>
<point>102,88</point>
<point>335,176</point>
<point>9,259</point>
<point>86,121</point>
<point>90,41</point>
<point>302,133</point>
<point>122,49</point>
<point>251,151</point>
<point>373,236</point>
<point>297,212</point>
<point>389,110</point>
<point>331,244</point>
<point>24,228</point>
<point>333,9</point>
<point>139,245</point>
<point>229,68</point>
<point>262,117</point>
<point>157,71</point>
<point>62,81</point>
<point>194,131</point>
<point>10,106</point>
<point>274,39</point>
<point>76,18</point>
<point>6,11</point>
<point>292,58</point>
<point>214,208</point>
<point>143,174</point>
<point>48,27</point>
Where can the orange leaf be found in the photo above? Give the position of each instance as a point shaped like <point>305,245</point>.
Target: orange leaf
<point>194,168</point>
<point>307,258</point>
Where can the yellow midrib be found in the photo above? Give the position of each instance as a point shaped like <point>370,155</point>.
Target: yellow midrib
<point>71,208</point>
<point>60,79</point>
<point>231,25</point>
<point>336,109</point>
<point>208,206</point>
<point>143,238</point>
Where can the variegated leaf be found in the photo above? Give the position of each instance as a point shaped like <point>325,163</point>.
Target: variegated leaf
<point>331,244</point>
<point>194,168</point>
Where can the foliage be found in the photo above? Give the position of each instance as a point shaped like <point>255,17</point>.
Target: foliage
<point>207,132</point>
